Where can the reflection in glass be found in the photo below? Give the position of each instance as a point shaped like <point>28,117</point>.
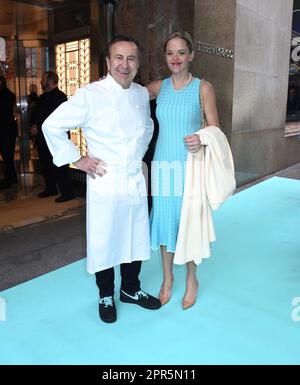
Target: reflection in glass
<point>73,69</point>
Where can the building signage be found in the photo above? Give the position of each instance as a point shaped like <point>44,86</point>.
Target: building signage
<point>212,49</point>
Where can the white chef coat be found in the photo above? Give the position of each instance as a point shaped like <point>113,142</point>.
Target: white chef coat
<point>117,126</point>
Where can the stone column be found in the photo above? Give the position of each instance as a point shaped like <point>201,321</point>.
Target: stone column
<point>243,49</point>
<point>150,21</point>
<point>262,51</point>
<point>214,55</point>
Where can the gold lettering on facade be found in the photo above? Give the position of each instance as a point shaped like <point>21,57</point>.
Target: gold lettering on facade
<point>212,49</point>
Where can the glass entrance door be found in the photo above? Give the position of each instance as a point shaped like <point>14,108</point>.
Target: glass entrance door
<point>31,63</point>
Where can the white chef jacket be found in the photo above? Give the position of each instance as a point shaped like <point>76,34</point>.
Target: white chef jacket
<point>117,126</point>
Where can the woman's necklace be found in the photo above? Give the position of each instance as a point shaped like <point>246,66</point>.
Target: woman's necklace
<point>185,84</point>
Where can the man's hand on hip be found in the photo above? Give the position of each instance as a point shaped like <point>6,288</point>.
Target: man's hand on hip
<point>91,166</point>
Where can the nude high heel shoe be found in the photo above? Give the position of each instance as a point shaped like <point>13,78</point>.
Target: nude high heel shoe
<point>165,294</point>
<point>190,299</point>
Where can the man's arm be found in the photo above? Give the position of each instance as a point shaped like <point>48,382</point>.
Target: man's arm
<point>69,115</point>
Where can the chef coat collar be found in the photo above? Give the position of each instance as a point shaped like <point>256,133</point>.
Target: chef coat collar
<point>111,81</point>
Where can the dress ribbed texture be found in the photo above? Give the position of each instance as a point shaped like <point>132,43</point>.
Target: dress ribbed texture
<point>179,114</point>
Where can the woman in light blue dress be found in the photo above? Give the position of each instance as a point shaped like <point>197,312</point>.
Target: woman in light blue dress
<point>179,115</point>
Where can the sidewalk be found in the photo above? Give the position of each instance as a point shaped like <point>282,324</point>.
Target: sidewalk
<point>20,205</point>
<point>31,210</point>
<point>292,172</point>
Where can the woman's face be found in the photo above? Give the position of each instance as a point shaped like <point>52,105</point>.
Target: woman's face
<point>178,55</point>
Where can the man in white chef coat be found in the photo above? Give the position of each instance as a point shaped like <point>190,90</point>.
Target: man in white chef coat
<point>114,115</point>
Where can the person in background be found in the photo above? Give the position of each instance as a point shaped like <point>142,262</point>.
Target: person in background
<point>293,101</point>
<point>53,175</point>
<point>8,134</point>
<point>32,99</point>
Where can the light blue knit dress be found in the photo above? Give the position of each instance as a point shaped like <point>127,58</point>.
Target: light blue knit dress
<point>179,114</point>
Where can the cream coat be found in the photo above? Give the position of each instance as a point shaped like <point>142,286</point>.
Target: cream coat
<point>117,126</point>
<point>209,182</point>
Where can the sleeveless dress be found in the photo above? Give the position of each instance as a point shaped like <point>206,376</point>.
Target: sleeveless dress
<point>179,114</point>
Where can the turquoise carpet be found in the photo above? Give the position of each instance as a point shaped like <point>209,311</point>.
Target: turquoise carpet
<point>243,314</point>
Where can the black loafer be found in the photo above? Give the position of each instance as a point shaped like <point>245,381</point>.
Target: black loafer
<point>142,299</point>
<point>107,309</point>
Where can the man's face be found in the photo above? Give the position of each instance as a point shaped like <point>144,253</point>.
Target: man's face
<point>44,82</point>
<point>123,62</point>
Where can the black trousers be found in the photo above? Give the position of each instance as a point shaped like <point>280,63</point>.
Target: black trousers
<point>7,151</point>
<point>130,282</point>
<point>52,174</point>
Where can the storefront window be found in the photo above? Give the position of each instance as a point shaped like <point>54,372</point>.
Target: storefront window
<point>293,100</point>
<point>73,69</point>
<point>293,106</point>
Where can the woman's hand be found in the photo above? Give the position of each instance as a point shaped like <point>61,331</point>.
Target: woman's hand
<point>91,166</point>
<point>193,143</point>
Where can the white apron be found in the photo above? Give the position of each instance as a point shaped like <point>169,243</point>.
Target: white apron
<point>117,126</point>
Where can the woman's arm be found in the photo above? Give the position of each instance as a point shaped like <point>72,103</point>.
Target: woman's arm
<point>210,105</point>
<point>211,115</point>
<point>154,88</point>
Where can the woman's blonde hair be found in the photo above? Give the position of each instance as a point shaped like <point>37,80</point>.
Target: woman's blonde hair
<point>181,35</point>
